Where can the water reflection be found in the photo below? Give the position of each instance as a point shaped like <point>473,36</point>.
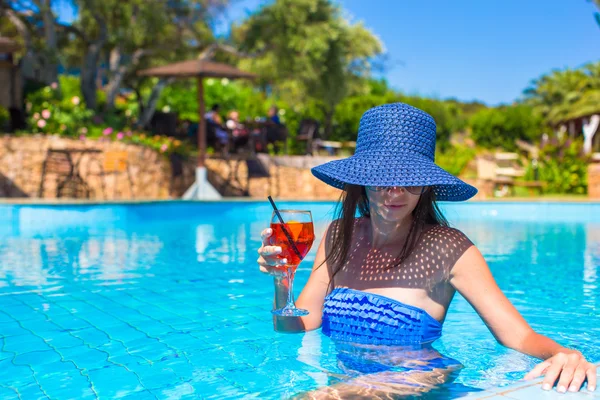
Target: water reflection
<point>52,262</point>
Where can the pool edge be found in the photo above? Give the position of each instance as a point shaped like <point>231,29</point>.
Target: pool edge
<point>531,390</point>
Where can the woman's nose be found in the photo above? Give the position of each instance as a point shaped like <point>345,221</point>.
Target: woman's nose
<point>396,189</point>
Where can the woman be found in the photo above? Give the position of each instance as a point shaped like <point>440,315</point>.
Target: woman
<point>385,279</point>
<point>238,132</point>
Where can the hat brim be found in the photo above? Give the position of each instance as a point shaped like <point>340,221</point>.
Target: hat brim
<point>405,169</point>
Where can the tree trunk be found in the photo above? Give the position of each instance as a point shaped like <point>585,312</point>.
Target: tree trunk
<point>30,62</point>
<point>89,69</point>
<point>140,100</point>
<point>152,100</point>
<point>48,57</point>
<point>328,126</point>
<point>117,74</point>
<point>88,78</point>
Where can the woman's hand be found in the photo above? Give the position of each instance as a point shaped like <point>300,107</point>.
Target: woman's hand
<point>569,367</point>
<point>268,260</point>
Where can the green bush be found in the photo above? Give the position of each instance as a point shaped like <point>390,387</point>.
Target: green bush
<point>447,115</point>
<point>51,110</point>
<point>454,158</point>
<point>562,166</point>
<point>54,110</point>
<point>502,126</point>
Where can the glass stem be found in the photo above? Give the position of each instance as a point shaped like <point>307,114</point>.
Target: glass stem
<point>290,277</point>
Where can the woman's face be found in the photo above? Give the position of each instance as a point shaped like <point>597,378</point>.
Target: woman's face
<point>393,203</point>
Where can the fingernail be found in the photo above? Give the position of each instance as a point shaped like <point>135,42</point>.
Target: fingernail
<point>546,386</point>
<point>591,388</point>
<point>278,249</point>
<point>562,389</point>
<point>573,388</point>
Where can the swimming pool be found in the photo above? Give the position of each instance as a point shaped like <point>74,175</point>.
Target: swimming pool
<point>164,300</point>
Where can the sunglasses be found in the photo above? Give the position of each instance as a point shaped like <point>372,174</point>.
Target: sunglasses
<point>416,190</point>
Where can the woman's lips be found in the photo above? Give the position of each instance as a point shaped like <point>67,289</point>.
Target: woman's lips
<point>395,206</point>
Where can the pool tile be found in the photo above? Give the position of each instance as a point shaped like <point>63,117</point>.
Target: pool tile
<point>21,312</point>
<point>5,318</point>
<point>12,328</point>
<point>92,336</point>
<point>141,395</point>
<point>24,343</point>
<point>84,357</point>
<point>112,382</point>
<point>61,385</point>
<point>153,376</point>
<point>536,392</point>
<point>37,358</point>
<point>150,349</point>
<point>250,380</point>
<point>249,353</point>
<point>127,334</point>
<point>62,340</point>
<point>8,393</point>
<point>155,329</point>
<point>70,322</point>
<point>176,391</point>
<point>183,341</point>
<point>11,373</point>
<point>31,391</point>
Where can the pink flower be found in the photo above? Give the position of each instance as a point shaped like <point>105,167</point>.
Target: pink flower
<point>164,148</point>
<point>120,135</point>
<point>81,137</point>
<point>75,100</point>
<point>107,131</point>
<point>83,130</point>
<point>129,133</point>
<point>41,123</point>
<point>46,114</point>
<point>36,116</point>
<point>54,85</point>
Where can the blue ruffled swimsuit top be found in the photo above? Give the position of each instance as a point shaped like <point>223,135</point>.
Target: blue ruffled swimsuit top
<point>361,317</point>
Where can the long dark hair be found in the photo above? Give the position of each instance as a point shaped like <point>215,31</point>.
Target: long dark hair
<point>354,198</point>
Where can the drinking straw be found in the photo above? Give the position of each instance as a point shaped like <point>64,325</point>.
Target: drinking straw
<point>289,238</point>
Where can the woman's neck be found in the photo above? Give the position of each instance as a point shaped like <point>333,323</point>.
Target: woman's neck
<point>385,233</point>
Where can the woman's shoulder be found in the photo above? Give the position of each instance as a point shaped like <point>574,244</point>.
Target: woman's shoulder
<point>446,240</point>
<point>444,233</point>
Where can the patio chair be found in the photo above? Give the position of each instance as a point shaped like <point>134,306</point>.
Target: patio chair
<point>309,132</point>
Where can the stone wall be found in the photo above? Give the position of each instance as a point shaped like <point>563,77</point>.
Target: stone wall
<point>290,179</point>
<point>285,182</point>
<point>88,169</point>
<point>114,170</point>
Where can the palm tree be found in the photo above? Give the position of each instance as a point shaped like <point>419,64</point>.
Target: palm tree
<point>566,94</point>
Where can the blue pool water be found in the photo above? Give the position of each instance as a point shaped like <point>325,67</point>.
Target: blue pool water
<point>164,300</point>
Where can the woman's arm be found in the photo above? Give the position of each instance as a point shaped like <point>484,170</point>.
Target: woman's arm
<point>311,298</point>
<point>472,278</point>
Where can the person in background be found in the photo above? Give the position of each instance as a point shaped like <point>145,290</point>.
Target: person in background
<point>238,132</point>
<point>273,115</point>
<point>214,123</point>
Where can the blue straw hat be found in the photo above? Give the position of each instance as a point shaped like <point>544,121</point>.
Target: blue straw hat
<point>395,147</point>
